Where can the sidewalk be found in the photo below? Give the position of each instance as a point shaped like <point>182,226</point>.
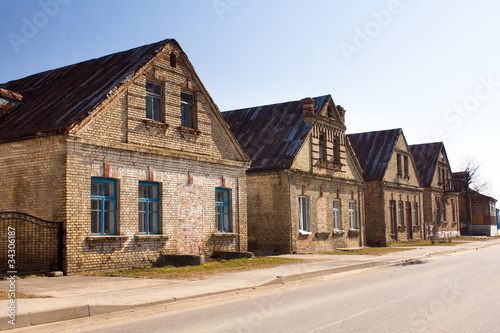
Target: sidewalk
<point>82,296</point>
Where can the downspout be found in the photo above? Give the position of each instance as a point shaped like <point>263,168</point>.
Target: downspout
<point>238,212</point>
<point>290,209</point>
<point>362,239</point>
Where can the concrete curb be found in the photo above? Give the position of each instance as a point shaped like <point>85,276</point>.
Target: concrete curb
<point>323,272</point>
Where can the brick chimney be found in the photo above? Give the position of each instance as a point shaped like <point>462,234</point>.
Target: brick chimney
<point>308,105</point>
<point>341,112</point>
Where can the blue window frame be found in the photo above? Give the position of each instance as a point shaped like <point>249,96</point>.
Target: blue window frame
<point>149,203</point>
<point>103,206</point>
<point>222,210</point>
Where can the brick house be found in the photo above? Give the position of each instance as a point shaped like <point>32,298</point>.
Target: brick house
<point>305,186</point>
<point>394,193</point>
<point>441,204</point>
<point>131,153</point>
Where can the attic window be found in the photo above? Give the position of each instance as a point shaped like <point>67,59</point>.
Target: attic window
<point>153,101</point>
<point>336,150</point>
<point>187,110</point>
<point>322,147</point>
<point>330,113</point>
<point>173,59</point>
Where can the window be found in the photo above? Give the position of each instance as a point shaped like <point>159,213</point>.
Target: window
<point>439,176</point>
<point>352,214</point>
<point>336,214</point>
<point>222,210</point>
<point>187,104</point>
<point>173,59</point>
<point>304,224</point>
<point>407,173</point>
<point>415,213</point>
<point>149,221</point>
<point>443,209</point>
<point>322,147</point>
<point>336,150</point>
<point>443,175</point>
<point>103,206</point>
<point>401,213</point>
<point>400,166</point>
<point>394,226</point>
<point>153,101</point>
<point>453,212</point>
<point>438,211</point>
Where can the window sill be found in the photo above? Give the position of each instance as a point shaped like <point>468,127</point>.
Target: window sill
<point>353,232</point>
<point>303,232</point>
<point>154,123</point>
<point>102,238</point>
<point>322,234</point>
<point>188,130</point>
<point>151,237</point>
<point>225,234</point>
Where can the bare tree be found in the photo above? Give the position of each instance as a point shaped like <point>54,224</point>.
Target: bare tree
<point>471,170</point>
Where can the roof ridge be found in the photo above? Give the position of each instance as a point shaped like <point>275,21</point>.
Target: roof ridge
<point>162,43</point>
<point>272,104</point>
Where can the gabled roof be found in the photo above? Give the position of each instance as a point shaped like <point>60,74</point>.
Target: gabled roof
<point>426,157</point>
<point>374,151</point>
<point>272,135</point>
<point>53,101</point>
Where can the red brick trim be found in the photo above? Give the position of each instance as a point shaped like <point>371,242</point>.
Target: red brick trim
<point>106,167</point>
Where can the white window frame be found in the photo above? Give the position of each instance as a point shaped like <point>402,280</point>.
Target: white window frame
<point>352,215</point>
<point>401,216</point>
<point>415,213</point>
<point>336,214</point>
<point>304,214</point>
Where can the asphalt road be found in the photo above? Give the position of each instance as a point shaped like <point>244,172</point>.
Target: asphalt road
<point>454,293</point>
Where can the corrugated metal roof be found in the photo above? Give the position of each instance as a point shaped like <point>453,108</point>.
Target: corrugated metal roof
<point>426,156</point>
<point>54,100</point>
<point>374,150</point>
<point>272,135</point>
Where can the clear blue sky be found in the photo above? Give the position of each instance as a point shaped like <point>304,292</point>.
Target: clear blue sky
<point>431,67</point>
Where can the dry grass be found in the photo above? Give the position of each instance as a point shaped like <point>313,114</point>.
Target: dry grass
<point>202,271</point>
<point>5,295</point>
<point>370,250</point>
<point>453,242</point>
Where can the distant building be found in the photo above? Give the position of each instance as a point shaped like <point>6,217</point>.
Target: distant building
<point>441,204</point>
<point>484,215</point>
<point>305,185</point>
<point>394,192</point>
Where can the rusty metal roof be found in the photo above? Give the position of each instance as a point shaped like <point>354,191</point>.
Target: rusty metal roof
<point>374,151</point>
<point>10,95</point>
<point>53,101</point>
<point>271,135</point>
<point>426,156</point>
